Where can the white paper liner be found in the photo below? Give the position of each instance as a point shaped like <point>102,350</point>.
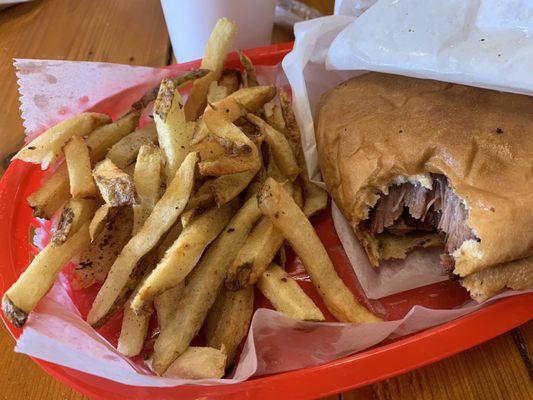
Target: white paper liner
<point>55,331</point>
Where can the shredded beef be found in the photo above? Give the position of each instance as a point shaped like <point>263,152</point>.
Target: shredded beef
<point>409,207</point>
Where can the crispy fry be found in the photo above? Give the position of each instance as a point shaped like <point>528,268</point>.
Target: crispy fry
<point>280,147</point>
<point>274,117</point>
<point>22,297</point>
<point>278,205</point>
<point>178,81</point>
<point>173,132</point>
<point>202,198</point>
<point>54,191</point>
<point>316,199</point>
<point>231,80</point>
<point>115,185</point>
<point>199,363</point>
<point>48,146</point>
<point>75,214</point>
<point>124,152</point>
<point>287,296</point>
<point>147,180</point>
<point>79,169</point>
<point>251,76</point>
<point>133,330</point>
<point>99,220</point>
<point>96,261</point>
<point>229,319</point>
<point>255,255</point>
<point>202,288</point>
<point>166,304</point>
<point>227,187</point>
<point>183,255</point>
<point>298,196</point>
<point>102,139</point>
<point>216,51</point>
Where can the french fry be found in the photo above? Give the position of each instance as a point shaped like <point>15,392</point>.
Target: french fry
<point>75,214</point>
<point>55,190</point>
<point>166,304</point>
<point>202,198</point>
<point>287,296</point>
<point>124,152</point>
<point>99,220</point>
<point>202,288</point>
<point>173,133</point>
<point>316,199</point>
<point>229,319</point>
<point>102,139</point>
<point>22,297</point>
<point>147,181</point>
<point>105,246</point>
<point>231,80</point>
<point>199,363</point>
<point>216,51</point>
<point>280,147</point>
<point>79,169</point>
<point>183,255</point>
<point>255,255</point>
<point>178,81</point>
<point>52,194</point>
<point>274,117</point>
<point>48,146</point>
<point>162,218</point>
<point>251,76</point>
<point>286,216</point>
<point>236,105</point>
<point>115,185</point>
<point>227,187</point>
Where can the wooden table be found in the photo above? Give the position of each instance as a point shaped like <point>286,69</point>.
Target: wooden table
<point>133,32</point>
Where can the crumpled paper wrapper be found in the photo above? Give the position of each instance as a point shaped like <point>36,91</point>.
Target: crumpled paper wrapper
<point>54,90</point>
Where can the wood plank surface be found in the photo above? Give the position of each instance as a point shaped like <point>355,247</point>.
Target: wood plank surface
<point>133,31</point>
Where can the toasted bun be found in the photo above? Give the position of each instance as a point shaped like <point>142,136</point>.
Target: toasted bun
<point>375,128</point>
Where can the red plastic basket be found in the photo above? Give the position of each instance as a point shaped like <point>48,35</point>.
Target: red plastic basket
<point>380,362</point>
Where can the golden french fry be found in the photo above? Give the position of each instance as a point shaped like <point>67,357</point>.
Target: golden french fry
<point>216,51</point>
<point>54,191</point>
<point>199,363</point>
<point>236,105</point>
<point>251,76</point>
<point>147,181</point>
<point>229,319</point>
<point>255,255</point>
<point>173,132</point>
<point>102,139</point>
<point>286,216</point>
<point>75,214</point>
<point>202,288</point>
<point>183,255</point>
<point>231,80</point>
<point>166,304</point>
<point>316,198</point>
<point>291,126</point>
<point>133,330</point>
<point>99,220</point>
<point>22,297</point>
<point>287,296</point>
<point>202,198</point>
<point>227,187</point>
<point>124,152</point>
<point>216,92</point>
<point>48,146</point>
<point>105,246</point>
<point>178,81</point>
<point>115,185</point>
<point>79,169</point>
<point>274,117</point>
<point>162,218</point>
<point>280,147</point>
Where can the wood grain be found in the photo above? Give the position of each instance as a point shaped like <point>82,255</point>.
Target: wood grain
<point>133,31</point>
<point>125,31</point>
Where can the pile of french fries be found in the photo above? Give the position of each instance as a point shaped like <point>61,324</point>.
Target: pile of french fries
<point>184,217</point>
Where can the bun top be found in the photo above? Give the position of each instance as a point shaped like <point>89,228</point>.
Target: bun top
<point>377,128</point>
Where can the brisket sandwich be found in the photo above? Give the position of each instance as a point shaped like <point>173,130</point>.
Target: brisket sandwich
<point>415,163</point>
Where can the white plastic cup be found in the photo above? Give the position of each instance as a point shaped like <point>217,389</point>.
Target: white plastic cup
<point>190,22</point>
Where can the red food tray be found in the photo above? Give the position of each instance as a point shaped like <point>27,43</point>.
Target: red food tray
<point>388,359</point>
